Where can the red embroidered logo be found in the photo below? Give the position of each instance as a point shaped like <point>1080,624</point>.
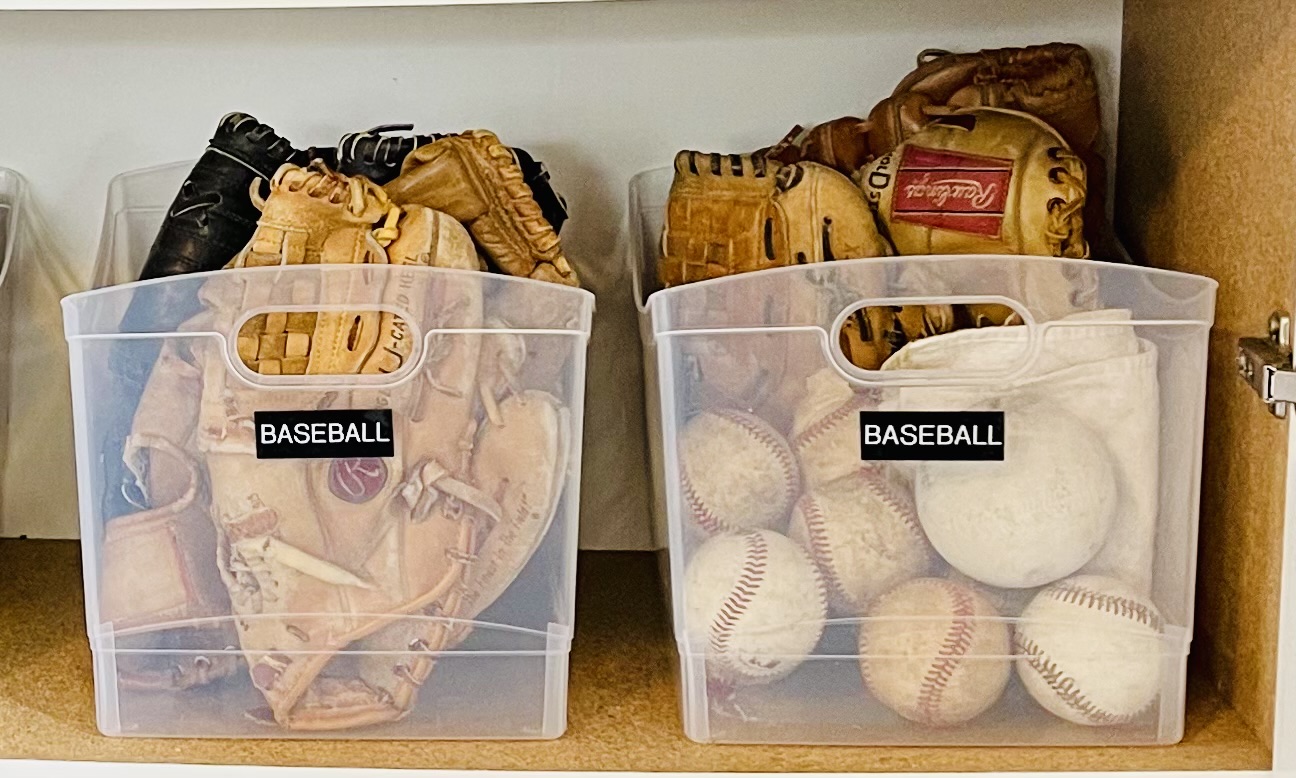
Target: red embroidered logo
<point>951,191</point>
<point>357,480</point>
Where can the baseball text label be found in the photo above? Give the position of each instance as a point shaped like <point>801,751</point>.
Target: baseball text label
<point>932,436</point>
<point>349,434</point>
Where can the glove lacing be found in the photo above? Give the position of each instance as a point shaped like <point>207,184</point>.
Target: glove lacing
<point>356,193</point>
<point>1065,224</point>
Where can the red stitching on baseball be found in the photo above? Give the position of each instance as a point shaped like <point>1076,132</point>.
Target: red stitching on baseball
<point>706,518</point>
<point>1116,605</point>
<point>1065,687</point>
<point>821,549</point>
<point>740,596</point>
<point>955,646</point>
<point>763,434</point>
<point>858,402</point>
<point>701,513</point>
<point>823,585</point>
<point>893,499</point>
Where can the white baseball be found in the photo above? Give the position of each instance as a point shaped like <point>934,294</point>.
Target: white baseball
<point>935,652</point>
<point>758,601</point>
<point>863,533</point>
<point>1029,520</point>
<point>736,472</point>
<point>1089,650</point>
<point>826,429</point>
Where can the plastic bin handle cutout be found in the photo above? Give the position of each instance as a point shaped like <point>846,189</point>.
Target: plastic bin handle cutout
<point>322,345</point>
<point>879,341</point>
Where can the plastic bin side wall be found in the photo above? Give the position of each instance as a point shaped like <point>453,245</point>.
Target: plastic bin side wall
<point>508,679</point>
<point>821,702</point>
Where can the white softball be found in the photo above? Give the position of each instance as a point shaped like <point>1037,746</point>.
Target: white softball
<point>935,652</point>
<point>1089,650</point>
<point>826,428</point>
<point>863,533</point>
<point>736,472</point>
<point>1029,520</point>
<point>759,603</point>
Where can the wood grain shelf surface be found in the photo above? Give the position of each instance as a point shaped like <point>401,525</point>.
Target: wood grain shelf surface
<point>623,707</point>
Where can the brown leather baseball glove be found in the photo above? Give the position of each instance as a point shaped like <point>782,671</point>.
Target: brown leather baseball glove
<point>731,213</point>
<point>1054,82</point>
<point>479,181</point>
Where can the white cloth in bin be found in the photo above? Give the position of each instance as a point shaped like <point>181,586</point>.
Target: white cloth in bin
<point>1105,374</point>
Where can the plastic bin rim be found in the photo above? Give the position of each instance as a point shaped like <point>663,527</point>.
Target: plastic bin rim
<point>142,171</point>
<point>551,287</point>
<point>1173,640</point>
<point>105,631</point>
<point>1208,283</point>
<point>10,246</point>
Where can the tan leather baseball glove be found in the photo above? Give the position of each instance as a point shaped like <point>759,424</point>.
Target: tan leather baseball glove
<point>320,554</point>
<point>344,577</point>
<point>159,587</point>
<point>870,335</point>
<point>981,181</point>
<point>520,460</point>
<point>477,180</point>
<point>731,213</point>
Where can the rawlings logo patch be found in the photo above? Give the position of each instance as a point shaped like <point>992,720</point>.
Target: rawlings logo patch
<point>357,480</point>
<point>950,191</point>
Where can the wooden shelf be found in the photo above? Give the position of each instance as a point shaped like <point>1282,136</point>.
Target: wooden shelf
<point>623,713</point>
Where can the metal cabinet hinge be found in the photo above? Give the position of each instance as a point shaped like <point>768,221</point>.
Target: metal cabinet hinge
<point>1266,364</point>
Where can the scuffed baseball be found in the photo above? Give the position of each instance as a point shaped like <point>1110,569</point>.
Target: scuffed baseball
<point>1089,650</point>
<point>863,533</point>
<point>826,428</point>
<point>935,652</point>
<point>758,602</point>
<point>1029,520</point>
<point>736,472</point>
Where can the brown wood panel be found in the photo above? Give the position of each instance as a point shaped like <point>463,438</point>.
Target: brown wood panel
<point>1207,185</point>
<point>623,708</point>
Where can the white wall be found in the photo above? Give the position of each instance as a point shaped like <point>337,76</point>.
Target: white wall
<point>598,91</point>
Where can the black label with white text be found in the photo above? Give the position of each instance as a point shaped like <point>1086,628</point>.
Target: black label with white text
<point>933,436</point>
<point>324,434</point>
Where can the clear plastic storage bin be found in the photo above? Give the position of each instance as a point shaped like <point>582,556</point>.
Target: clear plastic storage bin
<point>991,540</point>
<point>12,200</point>
<point>418,592</point>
